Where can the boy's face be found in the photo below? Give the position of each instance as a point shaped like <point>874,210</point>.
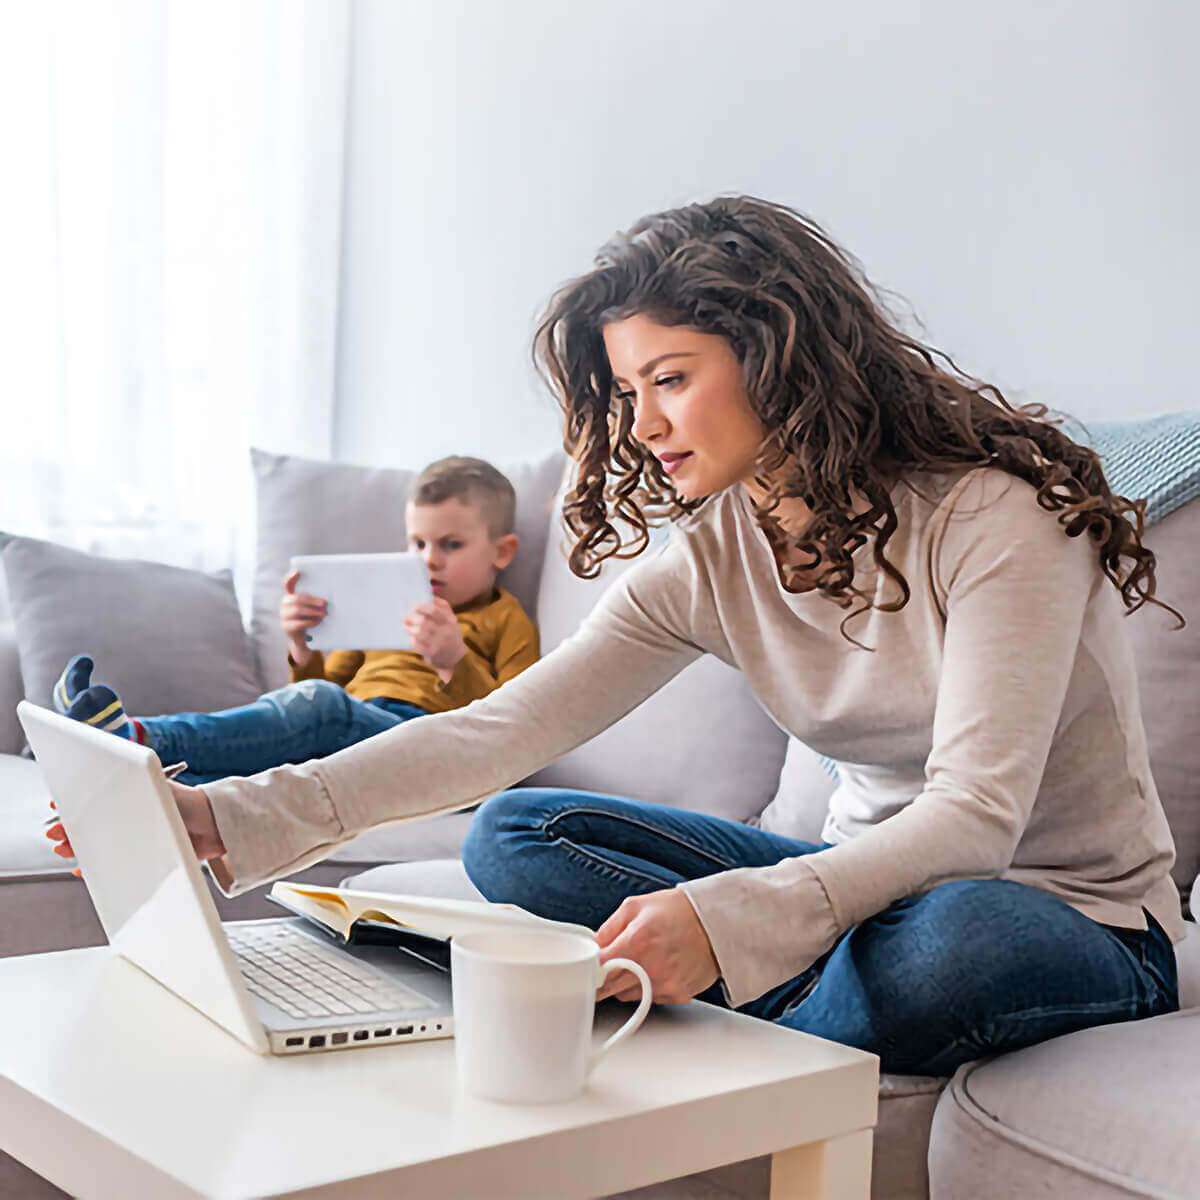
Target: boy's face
<point>459,553</point>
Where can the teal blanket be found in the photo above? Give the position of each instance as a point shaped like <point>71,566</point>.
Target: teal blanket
<point>1157,458</point>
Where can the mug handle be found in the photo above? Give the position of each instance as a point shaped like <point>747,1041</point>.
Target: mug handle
<point>631,1026</point>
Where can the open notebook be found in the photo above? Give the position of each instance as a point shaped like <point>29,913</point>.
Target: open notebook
<point>422,925</point>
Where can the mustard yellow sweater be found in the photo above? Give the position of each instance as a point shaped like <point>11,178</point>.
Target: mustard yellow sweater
<point>501,642</point>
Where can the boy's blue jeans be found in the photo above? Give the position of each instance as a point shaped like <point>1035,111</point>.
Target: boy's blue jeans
<point>301,721</point>
<point>967,969</point>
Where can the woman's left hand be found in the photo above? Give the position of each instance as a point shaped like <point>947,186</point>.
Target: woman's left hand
<point>661,933</point>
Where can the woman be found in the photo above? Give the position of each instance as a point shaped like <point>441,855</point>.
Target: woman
<point>916,578</point>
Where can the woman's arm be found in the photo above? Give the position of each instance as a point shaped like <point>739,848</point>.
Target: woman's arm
<point>1015,593</point>
<point>634,642</point>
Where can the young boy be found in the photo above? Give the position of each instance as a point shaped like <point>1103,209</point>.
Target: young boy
<point>468,640</point>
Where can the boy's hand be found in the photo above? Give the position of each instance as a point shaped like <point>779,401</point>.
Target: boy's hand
<point>299,612</point>
<point>436,636</point>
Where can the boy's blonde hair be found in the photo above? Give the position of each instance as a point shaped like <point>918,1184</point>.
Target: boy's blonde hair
<point>473,481</point>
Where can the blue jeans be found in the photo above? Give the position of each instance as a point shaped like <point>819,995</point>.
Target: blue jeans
<point>298,722</point>
<point>966,969</point>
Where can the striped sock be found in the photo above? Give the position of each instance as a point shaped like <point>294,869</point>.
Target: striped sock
<point>76,676</point>
<point>101,707</point>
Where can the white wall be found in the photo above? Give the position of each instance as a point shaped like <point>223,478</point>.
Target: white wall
<point>1024,174</point>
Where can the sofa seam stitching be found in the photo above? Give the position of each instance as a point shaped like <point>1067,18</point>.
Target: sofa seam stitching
<point>974,1111</point>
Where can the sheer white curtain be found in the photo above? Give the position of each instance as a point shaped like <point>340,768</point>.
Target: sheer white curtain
<point>170,231</point>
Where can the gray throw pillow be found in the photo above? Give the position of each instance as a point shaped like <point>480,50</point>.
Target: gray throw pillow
<point>311,507</point>
<point>167,639</point>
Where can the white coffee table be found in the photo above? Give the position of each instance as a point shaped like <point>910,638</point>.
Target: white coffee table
<point>110,1086</point>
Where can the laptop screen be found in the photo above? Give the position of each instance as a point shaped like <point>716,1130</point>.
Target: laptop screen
<point>139,867</point>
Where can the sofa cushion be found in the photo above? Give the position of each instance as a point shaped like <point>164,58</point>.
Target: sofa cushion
<point>444,878</point>
<point>1168,666</point>
<point>310,507</point>
<point>409,841</point>
<point>1106,1112</point>
<point>168,639</point>
<point>702,742</point>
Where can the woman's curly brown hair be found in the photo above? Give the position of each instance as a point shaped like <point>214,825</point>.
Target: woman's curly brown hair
<point>848,401</point>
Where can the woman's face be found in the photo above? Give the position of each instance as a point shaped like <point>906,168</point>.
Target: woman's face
<point>688,398</point>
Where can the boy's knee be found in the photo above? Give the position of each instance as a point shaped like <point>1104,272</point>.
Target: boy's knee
<point>309,696</point>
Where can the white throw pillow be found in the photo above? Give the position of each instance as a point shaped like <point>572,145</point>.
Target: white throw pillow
<point>702,743</point>
<point>799,806</point>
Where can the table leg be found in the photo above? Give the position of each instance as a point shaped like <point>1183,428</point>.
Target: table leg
<point>837,1169</point>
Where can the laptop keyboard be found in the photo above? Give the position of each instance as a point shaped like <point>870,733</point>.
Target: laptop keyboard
<point>304,979</point>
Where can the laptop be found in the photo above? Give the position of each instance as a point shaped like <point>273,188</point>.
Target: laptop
<point>276,984</point>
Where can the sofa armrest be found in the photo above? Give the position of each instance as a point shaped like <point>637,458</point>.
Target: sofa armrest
<point>12,690</point>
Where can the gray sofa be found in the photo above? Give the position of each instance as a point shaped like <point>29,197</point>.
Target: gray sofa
<point>1109,1112</point>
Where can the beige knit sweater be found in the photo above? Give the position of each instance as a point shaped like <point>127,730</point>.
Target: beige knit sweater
<point>993,730</point>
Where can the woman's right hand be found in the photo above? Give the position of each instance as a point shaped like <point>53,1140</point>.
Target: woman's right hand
<point>194,809</point>
<point>298,613</point>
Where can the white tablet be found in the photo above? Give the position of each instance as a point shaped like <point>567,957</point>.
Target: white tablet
<point>369,596</point>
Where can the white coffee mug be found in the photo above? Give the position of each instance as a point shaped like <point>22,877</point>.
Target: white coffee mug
<point>523,1008</point>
